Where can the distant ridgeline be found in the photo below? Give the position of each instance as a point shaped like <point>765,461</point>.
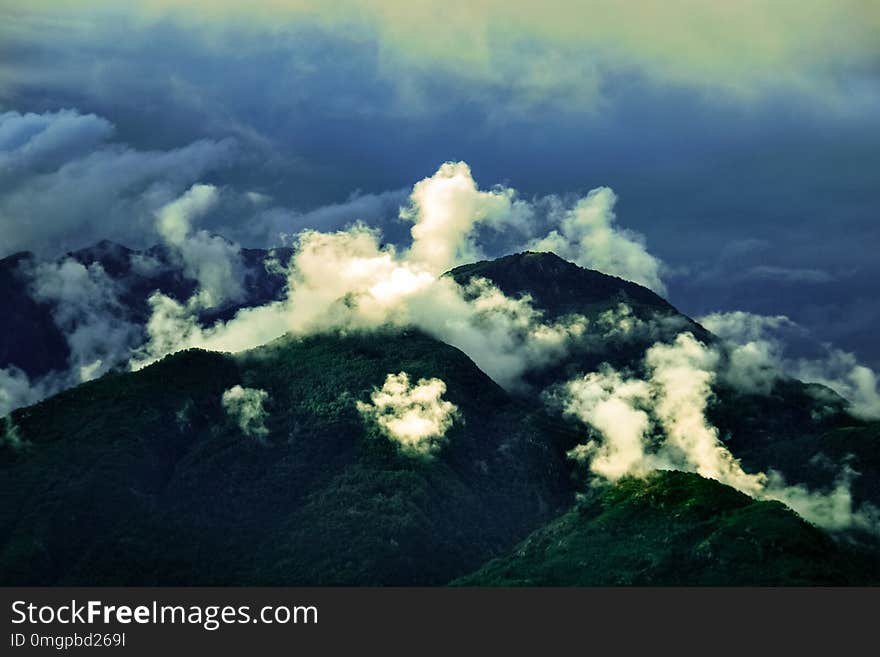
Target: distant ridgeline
<point>387,457</point>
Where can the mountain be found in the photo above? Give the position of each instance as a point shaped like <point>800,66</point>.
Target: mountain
<point>562,288</point>
<point>30,338</point>
<point>677,529</point>
<point>624,318</point>
<point>146,478</point>
<point>141,478</point>
<point>800,430</point>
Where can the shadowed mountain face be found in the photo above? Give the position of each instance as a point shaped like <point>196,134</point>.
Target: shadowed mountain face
<point>562,288</point>
<point>624,318</point>
<point>29,338</point>
<point>143,478</point>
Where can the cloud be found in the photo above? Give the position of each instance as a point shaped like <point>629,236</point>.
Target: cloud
<point>371,209</point>
<point>788,274</point>
<point>40,142</point>
<point>62,185</point>
<point>415,416</point>
<point>17,390</point>
<point>349,280</point>
<point>742,52</point>
<point>676,394</point>
<point>11,437</point>
<point>445,210</point>
<point>587,236</point>
<point>87,309</point>
<point>614,407</point>
<point>758,354</point>
<point>214,263</point>
<point>246,407</point>
<point>660,423</point>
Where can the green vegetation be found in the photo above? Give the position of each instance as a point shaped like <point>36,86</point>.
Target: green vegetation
<point>141,478</point>
<point>676,528</point>
<point>144,479</point>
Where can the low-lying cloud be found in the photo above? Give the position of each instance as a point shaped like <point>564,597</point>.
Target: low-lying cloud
<point>587,236</point>
<point>214,263</point>
<point>758,355</point>
<point>659,422</point>
<point>245,406</point>
<point>414,415</point>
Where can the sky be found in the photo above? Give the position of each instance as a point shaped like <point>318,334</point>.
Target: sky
<point>741,139</point>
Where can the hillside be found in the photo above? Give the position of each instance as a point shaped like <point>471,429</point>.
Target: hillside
<point>148,478</point>
<point>676,529</point>
<point>141,478</point>
<point>624,318</point>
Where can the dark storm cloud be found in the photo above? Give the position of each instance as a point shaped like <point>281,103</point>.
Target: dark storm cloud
<point>63,186</point>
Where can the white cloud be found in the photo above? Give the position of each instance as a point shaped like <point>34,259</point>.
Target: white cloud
<point>16,390</point>
<point>246,407</point>
<point>415,416</point>
<point>758,355</point>
<point>660,423</point>
<point>211,261</point>
<point>86,308</point>
<point>445,209</point>
<point>587,235</point>
<point>348,280</point>
<point>675,394</point>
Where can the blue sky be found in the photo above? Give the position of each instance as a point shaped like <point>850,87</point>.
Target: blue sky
<point>742,139</point>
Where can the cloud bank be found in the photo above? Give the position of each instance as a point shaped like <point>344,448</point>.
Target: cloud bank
<point>63,185</point>
<point>562,48</point>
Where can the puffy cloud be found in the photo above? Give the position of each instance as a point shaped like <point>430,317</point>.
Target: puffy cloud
<point>445,209</point>
<point>246,407</point>
<point>62,185</point>
<point>758,354</point>
<point>415,416</point>
<point>17,390</point>
<point>87,309</point>
<point>683,374</point>
<point>660,423</point>
<point>613,406</point>
<point>348,280</point>
<point>587,236</point>
<point>211,261</point>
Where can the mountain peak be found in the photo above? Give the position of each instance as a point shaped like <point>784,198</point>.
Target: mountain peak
<point>560,287</point>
